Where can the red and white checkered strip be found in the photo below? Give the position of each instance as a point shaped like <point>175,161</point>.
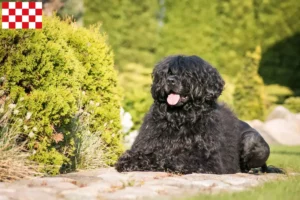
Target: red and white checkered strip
<point>22,15</point>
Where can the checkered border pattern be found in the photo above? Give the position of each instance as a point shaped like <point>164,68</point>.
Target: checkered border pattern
<point>22,15</point>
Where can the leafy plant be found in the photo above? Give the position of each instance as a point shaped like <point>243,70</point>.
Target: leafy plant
<point>49,70</point>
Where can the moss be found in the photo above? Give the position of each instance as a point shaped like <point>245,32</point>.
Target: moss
<point>58,71</point>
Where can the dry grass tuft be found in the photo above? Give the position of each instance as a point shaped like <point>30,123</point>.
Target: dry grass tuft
<point>14,164</point>
<point>89,146</point>
<point>90,152</point>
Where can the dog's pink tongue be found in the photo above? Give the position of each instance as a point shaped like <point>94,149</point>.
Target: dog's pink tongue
<point>173,99</point>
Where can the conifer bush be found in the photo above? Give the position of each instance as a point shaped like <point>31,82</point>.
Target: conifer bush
<point>249,100</point>
<point>61,73</point>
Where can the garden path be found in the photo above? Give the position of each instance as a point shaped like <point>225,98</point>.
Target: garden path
<point>108,184</point>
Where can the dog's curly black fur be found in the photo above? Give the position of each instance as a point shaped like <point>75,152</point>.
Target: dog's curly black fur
<point>192,132</point>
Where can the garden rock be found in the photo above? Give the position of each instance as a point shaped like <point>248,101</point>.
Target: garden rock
<point>279,112</point>
<point>281,127</point>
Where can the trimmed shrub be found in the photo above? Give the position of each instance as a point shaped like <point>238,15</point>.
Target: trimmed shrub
<point>136,82</point>
<point>248,96</point>
<point>61,73</point>
<point>293,104</point>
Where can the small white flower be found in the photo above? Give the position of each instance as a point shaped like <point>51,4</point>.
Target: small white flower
<point>34,129</point>
<point>97,104</point>
<point>126,120</point>
<point>28,115</point>
<point>92,102</point>
<point>12,106</point>
<point>31,134</point>
<point>122,112</point>
<point>83,92</point>
<point>25,127</point>
<point>16,112</point>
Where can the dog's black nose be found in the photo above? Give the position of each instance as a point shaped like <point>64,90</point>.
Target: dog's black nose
<point>171,80</point>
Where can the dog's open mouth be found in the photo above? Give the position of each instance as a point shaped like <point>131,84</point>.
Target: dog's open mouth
<point>173,99</point>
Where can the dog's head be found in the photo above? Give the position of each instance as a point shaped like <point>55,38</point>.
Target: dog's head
<point>178,80</point>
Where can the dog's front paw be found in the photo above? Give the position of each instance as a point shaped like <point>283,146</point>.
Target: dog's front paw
<point>124,162</point>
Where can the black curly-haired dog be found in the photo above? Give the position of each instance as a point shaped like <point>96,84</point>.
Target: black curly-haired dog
<point>187,131</point>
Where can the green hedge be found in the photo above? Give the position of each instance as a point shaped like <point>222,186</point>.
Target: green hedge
<point>56,76</point>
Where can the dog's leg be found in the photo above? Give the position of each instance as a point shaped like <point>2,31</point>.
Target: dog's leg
<point>254,151</point>
<point>129,161</point>
<point>138,161</point>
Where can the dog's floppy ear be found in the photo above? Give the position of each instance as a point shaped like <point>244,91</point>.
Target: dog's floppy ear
<point>158,80</point>
<point>214,84</point>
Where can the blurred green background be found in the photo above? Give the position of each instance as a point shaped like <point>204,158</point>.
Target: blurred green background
<point>255,44</point>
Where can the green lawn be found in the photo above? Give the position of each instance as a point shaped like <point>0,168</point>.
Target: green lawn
<point>285,157</point>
